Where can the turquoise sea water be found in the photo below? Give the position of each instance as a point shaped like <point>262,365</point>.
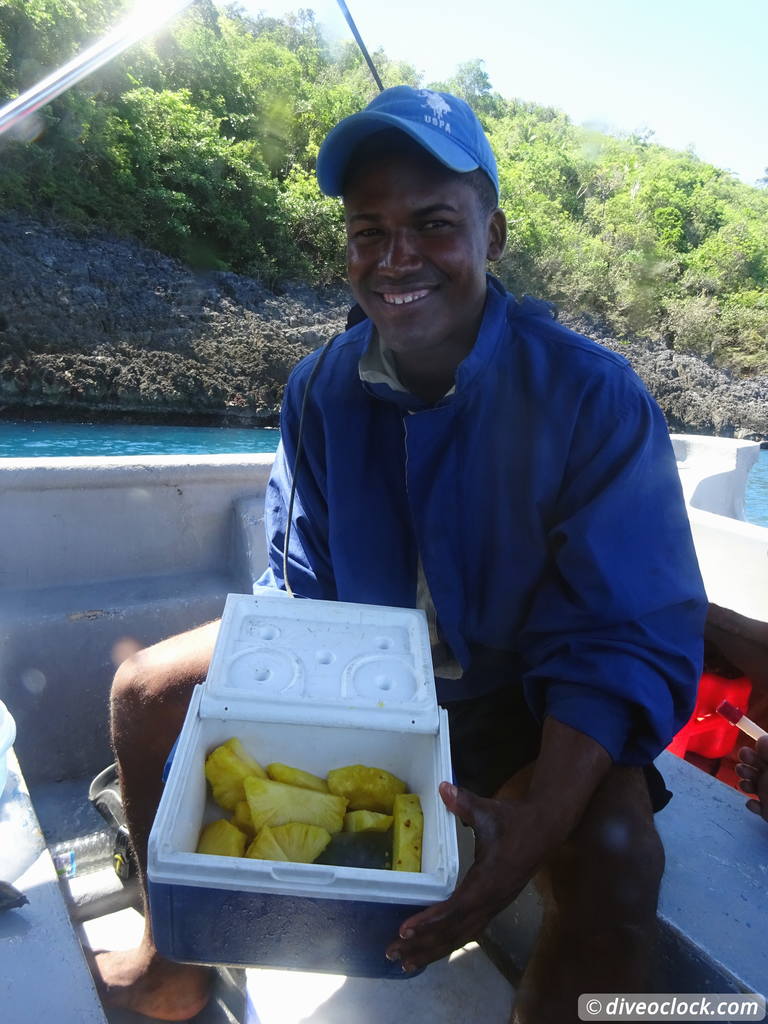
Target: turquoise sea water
<point>756,497</point>
<point>27,440</point>
<point>30,440</point>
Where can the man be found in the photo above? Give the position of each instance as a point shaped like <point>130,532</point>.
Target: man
<point>464,453</point>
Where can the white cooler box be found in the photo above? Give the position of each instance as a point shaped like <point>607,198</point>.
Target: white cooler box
<point>316,685</point>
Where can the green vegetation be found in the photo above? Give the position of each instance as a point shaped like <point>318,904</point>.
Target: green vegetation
<point>202,143</point>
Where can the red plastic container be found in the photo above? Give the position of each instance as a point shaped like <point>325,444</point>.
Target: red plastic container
<point>706,733</point>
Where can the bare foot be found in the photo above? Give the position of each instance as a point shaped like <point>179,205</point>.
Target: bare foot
<point>144,982</point>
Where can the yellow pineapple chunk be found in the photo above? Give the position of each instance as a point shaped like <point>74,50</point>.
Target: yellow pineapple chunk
<point>222,839</point>
<point>273,803</point>
<point>237,748</point>
<point>266,847</point>
<point>366,789</point>
<point>301,843</point>
<point>225,769</point>
<point>367,821</point>
<point>408,833</point>
<point>295,777</point>
<point>242,818</point>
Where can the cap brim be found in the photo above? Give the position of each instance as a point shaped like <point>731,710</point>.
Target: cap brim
<point>336,151</point>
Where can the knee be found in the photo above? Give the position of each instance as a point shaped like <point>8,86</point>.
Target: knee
<point>133,681</point>
<point>612,867</point>
<point>148,703</point>
<point>145,685</point>
<point>152,688</point>
<point>629,857</point>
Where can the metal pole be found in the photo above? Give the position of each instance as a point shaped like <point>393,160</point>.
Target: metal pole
<point>361,44</point>
<point>137,25</point>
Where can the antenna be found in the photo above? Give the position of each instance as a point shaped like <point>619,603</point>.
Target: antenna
<point>359,40</point>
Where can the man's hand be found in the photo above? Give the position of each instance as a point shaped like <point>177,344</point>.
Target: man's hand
<point>510,844</point>
<point>752,769</point>
<point>514,836</point>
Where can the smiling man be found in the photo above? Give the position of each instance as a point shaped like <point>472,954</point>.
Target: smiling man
<point>466,454</point>
<point>418,241</point>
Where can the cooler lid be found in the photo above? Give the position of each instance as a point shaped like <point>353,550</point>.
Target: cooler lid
<point>282,659</point>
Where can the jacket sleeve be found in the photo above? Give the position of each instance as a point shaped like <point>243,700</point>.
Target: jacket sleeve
<point>309,563</point>
<point>614,635</point>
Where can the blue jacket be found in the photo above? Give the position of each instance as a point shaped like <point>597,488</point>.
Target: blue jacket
<point>545,502</point>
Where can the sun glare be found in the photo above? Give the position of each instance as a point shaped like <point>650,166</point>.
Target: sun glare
<point>145,18</point>
<point>285,997</point>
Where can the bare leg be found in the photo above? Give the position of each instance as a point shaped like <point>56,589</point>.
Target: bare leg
<point>150,695</point>
<point>600,896</point>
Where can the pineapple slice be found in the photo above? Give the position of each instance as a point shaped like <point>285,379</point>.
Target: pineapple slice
<point>295,777</point>
<point>273,803</point>
<point>222,839</point>
<point>409,832</point>
<point>301,843</point>
<point>266,847</point>
<point>295,842</point>
<point>225,769</point>
<point>366,789</point>
<point>242,818</point>
<point>367,821</point>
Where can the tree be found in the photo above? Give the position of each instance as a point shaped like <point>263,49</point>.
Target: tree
<point>202,142</point>
<point>472,83</point>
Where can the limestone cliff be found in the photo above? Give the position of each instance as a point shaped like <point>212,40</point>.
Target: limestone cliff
<point>92,326</point>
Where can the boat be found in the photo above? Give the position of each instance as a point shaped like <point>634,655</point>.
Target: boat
<point>101,556</point>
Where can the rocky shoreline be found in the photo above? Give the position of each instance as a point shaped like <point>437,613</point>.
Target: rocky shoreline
<point>96,328</point>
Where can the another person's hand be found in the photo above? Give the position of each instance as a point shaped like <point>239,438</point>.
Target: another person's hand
<point>752,769</point>
<point>511,842</point>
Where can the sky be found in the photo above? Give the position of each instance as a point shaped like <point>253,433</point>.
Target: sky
<point>694,72</point>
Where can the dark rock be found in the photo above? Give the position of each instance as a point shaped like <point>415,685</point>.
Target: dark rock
<point>696,398</point>
<point>93,326</point>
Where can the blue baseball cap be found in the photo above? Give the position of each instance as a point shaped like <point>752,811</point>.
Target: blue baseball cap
<point>444,125</point>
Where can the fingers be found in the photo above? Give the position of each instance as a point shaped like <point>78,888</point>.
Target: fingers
<point>752,771</point>
<point>479,813</point>
<point>461,802</point>
<point>507,851</point>
<point>409,948</point>
<point>758,808</point>
<point>439,930</point>
<point>449,795</point>
<point>748,777</point>
<point>435,933</point>
<point>749,756</point>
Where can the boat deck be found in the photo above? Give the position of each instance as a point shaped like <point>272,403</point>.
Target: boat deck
<point>464,989</point>
<point>711,915</point>
<point>192,533</point>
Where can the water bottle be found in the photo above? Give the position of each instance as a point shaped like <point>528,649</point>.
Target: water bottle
<point>84,854</point>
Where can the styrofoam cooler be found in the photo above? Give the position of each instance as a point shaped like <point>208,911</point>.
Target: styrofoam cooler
<point>317,685</point>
